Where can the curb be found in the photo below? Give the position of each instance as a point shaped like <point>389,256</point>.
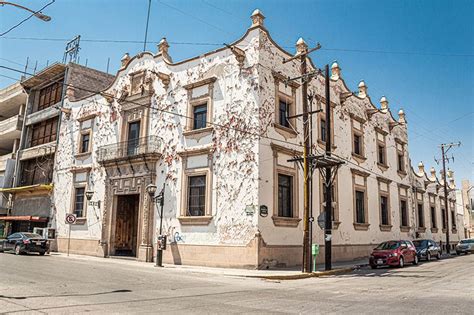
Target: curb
<point>305,275</point>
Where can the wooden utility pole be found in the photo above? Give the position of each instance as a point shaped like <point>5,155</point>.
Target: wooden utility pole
<point>328,183</point>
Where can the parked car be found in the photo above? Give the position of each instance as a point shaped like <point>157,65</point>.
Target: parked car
<point>427,249</point>
<point>465,246</point>
<point>393,253</point>
<point>24,242</point>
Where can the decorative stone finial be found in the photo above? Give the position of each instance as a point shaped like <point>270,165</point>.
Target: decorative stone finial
<point>401,117</point>
<point>335,71</point>
<point>125,59</point>
<point>257,18</point>
<point>383,103</point>
<point>163,49</point>
<point>433,173</point>
<point>421,168</point>
<point>362,89</point>
<point>301,46</point>
<point>450,173</point>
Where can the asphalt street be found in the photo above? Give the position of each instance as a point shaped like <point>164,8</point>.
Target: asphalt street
<point>57,284</point>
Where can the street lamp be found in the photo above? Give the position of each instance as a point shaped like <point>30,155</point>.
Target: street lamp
<point>89,195</point>
<point>38,14</point>
<point>159,199</point>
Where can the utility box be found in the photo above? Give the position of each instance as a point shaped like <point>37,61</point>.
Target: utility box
<point>315,249</point>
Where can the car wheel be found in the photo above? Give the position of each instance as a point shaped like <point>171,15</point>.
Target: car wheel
<point>401,262</point>
<point>17,250</point>
<point>438,256</point>
<point>458,253</point>
<point>42,253</point>
<point>428,256</point>
<point>415,260</point>
<point>373,266</point>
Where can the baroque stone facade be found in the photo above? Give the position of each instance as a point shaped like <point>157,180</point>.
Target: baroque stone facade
<point>213,131</point>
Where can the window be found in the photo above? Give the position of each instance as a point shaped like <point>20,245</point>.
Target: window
<point>360,206</point>
<point>44,132</point>
<point>285,196</point>
<point>400,156</point>
<point>133,138</point>
<point>79,202</point>
<point>453,220</point>
<point>381,154</point>
<point>443,218</point>
<point>400,162</point>
<point>404,213</point>
<point>50,95</point>
<point>384,210</point>
<point>284,113</point>
<point>37,171</point>
<point>421,219</point>
<point>84,142</point>
<point>433,217</point>
<point>357,144</point>
<point>322,124</point>
<point>196,195</point>
<point>200,116</point>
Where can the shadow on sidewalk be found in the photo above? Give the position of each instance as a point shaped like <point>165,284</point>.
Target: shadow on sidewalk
<point>63,295</point>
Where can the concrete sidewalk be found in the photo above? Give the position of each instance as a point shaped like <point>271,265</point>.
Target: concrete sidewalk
<point>267,273</point>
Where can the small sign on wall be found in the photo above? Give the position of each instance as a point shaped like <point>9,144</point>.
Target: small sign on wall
<point>263,211</point>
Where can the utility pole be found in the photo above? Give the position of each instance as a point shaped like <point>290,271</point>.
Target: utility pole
<point>445,147</point>
<point>328,184</point>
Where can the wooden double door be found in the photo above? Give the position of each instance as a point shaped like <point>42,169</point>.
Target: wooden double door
<point>126,225</point>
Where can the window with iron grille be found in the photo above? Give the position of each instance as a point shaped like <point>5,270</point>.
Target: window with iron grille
<point>404,213</point>
<point>453,220</point>
<point>360,206</point>
<point>79,202</point>
<point>384,210</point>
<point>285,196</point>
<point>50,95</point>
<point>196,195</point>
<point>421,217</point>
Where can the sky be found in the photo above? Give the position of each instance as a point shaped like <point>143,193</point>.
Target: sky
<point>418,53</point>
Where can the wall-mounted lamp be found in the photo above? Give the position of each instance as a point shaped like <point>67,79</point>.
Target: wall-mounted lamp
<point>89,195</point>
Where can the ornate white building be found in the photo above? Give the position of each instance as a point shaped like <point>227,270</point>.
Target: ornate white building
<point>213,130</point>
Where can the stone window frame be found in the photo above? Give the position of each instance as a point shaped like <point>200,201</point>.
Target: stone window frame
<point>289,171</point>
<point>381,143</point>
<point>384,227</point>
<point>192,102</point>
<point>420,202</point>
<point>183,218</point>
<point>133,112</point>
<point>357,187</point>
<point>335,222</point>
<point>361,133</point>
<point>432,204</point>
<point>402,152</point>
<point>403,228</point>
<point>82,184</point>
<point>286,132</point>
<point>83,131</point>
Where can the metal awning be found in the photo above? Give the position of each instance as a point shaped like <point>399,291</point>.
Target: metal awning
<point>24,218</point>
<point>30,188</point>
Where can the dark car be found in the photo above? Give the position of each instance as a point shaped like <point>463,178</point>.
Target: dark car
<point>427,249</point>
<point>393,253</point>
<point>24,242</point>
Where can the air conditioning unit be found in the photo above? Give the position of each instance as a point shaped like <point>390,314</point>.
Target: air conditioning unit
<point>47,233</point>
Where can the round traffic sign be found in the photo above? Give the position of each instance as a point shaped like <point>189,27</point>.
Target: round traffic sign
<point>70,218</point>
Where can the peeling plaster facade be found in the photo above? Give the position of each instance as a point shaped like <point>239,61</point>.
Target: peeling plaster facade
<point>241,151</point>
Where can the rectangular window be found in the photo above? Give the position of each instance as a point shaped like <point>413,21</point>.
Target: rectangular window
<point>443,218</point>
<point>50,95</point>
<point>85,137</point>
<point>404,213</point>
<point>79,202</point>
<point>44,132</point>
<point>323,130</point>
<point>197,195</point>
<point>381,154</point>
<point>384,210</point>
<point>400,162</point>
<point>453,220</point>
<point>200,116</point>
<point>421,218</point>
<point>284,113</point>
<point>360,206</point>
<point>357,144</point>
<point>433,217</point>
<point>133,138</point>
<point>37,171</point>
<point>285,196</point>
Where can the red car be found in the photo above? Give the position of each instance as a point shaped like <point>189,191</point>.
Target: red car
<point>393,253</point>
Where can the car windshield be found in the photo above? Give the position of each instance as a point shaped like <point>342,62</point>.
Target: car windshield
<point>420,243</point>
<point>388,245</point>
<point>32,235</point>
<point>471,240</point>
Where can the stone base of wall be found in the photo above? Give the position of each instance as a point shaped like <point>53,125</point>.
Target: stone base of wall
<point>77,246</point>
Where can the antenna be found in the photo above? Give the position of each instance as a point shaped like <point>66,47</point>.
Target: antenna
<point>72,50</point>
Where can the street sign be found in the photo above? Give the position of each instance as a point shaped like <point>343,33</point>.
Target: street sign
<point>322,220</point>
<point>70,218</point>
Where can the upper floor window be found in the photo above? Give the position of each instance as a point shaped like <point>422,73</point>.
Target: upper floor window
<point>285,196</point>
<point>384,211</point>
<point>85,127</point>
<point>44,132</point>
<point>79,194</point>
<point>453,220</point>
<point>37,171</point>
<point>400,157</point>
<point>284,113</point>
<point>50,95</point>
<point>421,216</point>
<point>322,130</point>
<point>357,138</point>
<point>196,195</point>
<point>433,217</point>
<point>360,206</point>
<point>357,144</point>
<point>403,213</point>
<point>200,116</point>
<point>443,218</point>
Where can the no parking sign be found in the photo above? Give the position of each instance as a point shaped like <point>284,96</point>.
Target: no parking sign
<point>70,218</point>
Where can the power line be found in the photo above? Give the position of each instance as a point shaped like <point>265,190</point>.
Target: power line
<point>23,21</point>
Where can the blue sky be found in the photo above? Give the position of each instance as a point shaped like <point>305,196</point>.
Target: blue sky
<point>419,53</point>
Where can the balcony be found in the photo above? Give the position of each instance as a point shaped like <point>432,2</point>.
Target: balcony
<point>142,147</point>
<point>11,126</point>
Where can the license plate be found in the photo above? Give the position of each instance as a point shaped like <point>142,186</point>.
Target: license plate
<point>38,243</point>
<point>379,262</point>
